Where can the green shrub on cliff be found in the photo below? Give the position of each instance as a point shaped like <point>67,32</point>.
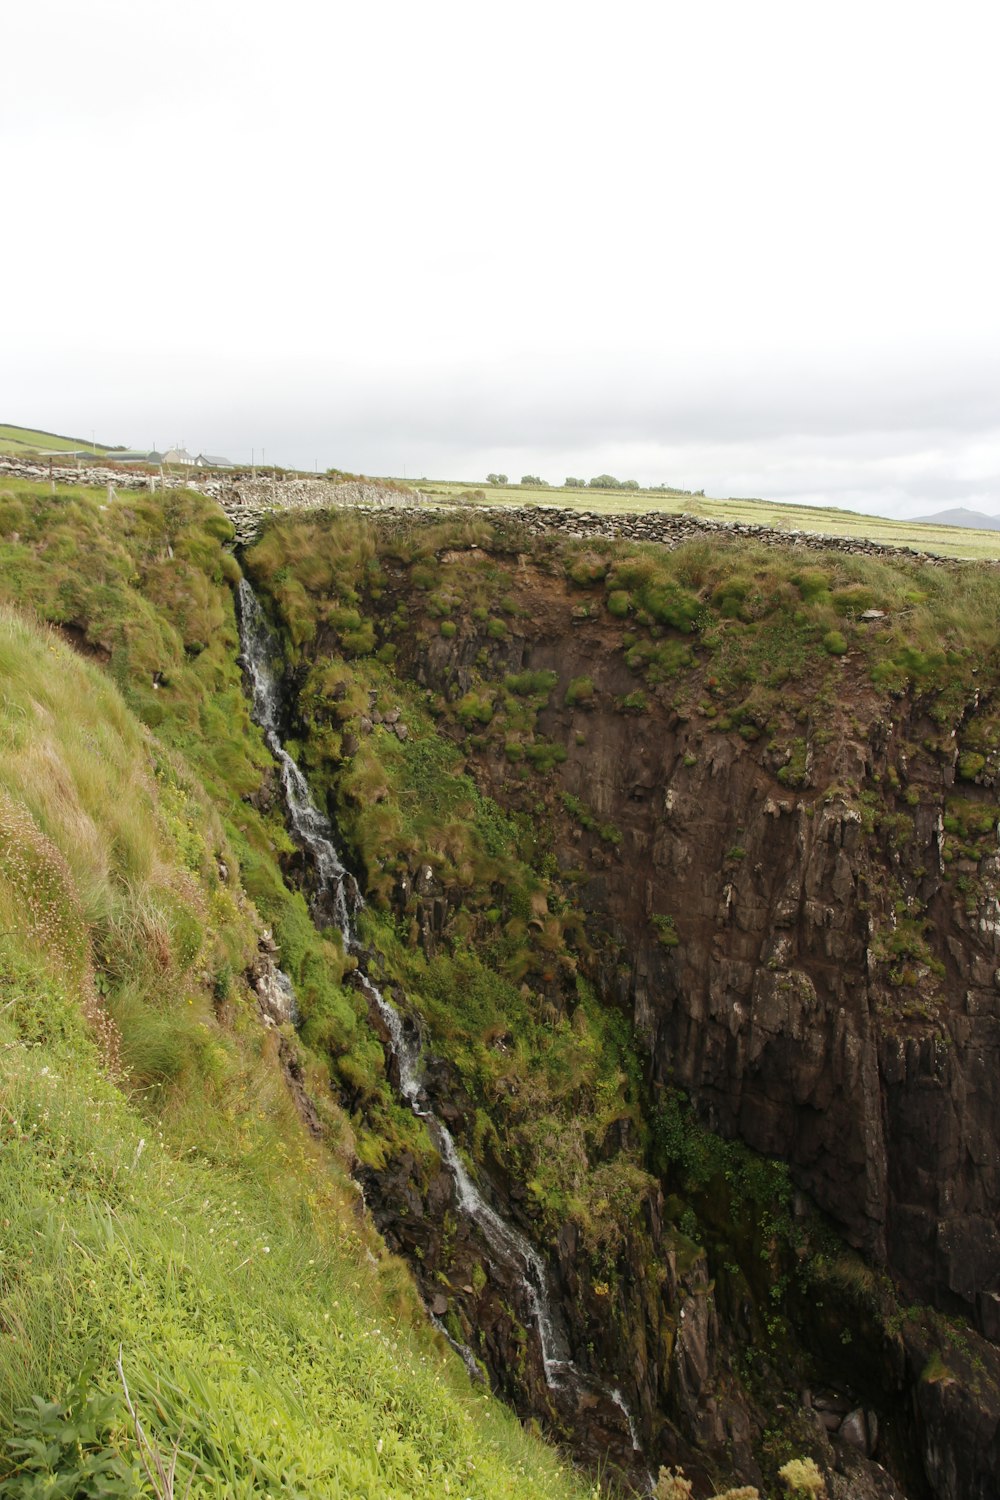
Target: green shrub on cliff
<point>531,684</point>
<point>580,690</point>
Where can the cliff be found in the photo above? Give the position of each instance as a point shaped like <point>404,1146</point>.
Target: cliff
<point>828,991</point>
<point>765,779</point>
<point>680,870</point>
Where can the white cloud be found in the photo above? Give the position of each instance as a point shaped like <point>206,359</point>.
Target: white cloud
<point>749,246</point>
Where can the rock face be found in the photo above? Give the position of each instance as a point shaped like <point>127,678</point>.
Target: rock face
<point>801,914</point>
<point>662,1337</point>
<point>274,992</point>
<point>803,1003</point>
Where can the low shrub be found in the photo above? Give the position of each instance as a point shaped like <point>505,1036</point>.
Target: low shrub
<point>580,690</point>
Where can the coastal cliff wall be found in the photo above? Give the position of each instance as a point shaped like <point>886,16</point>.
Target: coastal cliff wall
<point>765,778</point>
<point>829,993</point>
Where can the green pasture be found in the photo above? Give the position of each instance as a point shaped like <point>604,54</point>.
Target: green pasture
<point>18,441</point>
<point>948,541</point>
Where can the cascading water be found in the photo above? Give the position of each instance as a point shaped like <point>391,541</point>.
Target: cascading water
<point>338,890</point>
<point>260,653</point>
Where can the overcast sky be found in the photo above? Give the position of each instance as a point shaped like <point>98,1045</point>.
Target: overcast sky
<point>745,247</point>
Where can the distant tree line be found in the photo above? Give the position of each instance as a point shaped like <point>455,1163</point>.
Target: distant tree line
<point>499,480</point>
<point>599,482</point>
<point>609,482</point>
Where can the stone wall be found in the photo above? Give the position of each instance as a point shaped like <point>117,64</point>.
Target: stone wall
<point>247,501</point>
<point>96,476</point>
<point>669,530</point>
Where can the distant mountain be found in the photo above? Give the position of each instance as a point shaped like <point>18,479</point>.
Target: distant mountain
<point>961,517</point>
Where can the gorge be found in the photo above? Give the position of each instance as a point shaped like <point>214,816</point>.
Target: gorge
<point>336,892</point>
<point>645,979</point>
<point>781,948</point>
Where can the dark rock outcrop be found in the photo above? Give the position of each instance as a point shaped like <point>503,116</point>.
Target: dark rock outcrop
<point>804,1006</point>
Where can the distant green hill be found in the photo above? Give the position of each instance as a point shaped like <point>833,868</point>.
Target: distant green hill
<point>19,440</point>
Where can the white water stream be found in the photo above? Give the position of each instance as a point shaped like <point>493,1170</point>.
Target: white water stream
<point>262,659</point>
<point>261,655</point>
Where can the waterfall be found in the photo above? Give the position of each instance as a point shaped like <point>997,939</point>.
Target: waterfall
<point>310,827</point>
<point>314,833</point>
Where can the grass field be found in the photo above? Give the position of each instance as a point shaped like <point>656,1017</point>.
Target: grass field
<point>17,441</point>
<point>949,541</point>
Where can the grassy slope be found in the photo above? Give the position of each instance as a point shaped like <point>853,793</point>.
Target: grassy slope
<point>948,541</point>
<point>181,1210</point>
<point>20,440</point>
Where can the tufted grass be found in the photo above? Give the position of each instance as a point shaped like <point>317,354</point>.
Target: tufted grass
<point>157,1190</point>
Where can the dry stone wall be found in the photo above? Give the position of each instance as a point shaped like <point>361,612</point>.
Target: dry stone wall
<point>95,476</point>
<point>670,530</point>
<point>247,501</point>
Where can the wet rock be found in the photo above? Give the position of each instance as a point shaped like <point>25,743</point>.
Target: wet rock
<point>855,1430</point>
<point>291,1066</point>
<point>855,1477</point>
<point>274,991</point>
<point>989,1315</point>
<point>263,798</point>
